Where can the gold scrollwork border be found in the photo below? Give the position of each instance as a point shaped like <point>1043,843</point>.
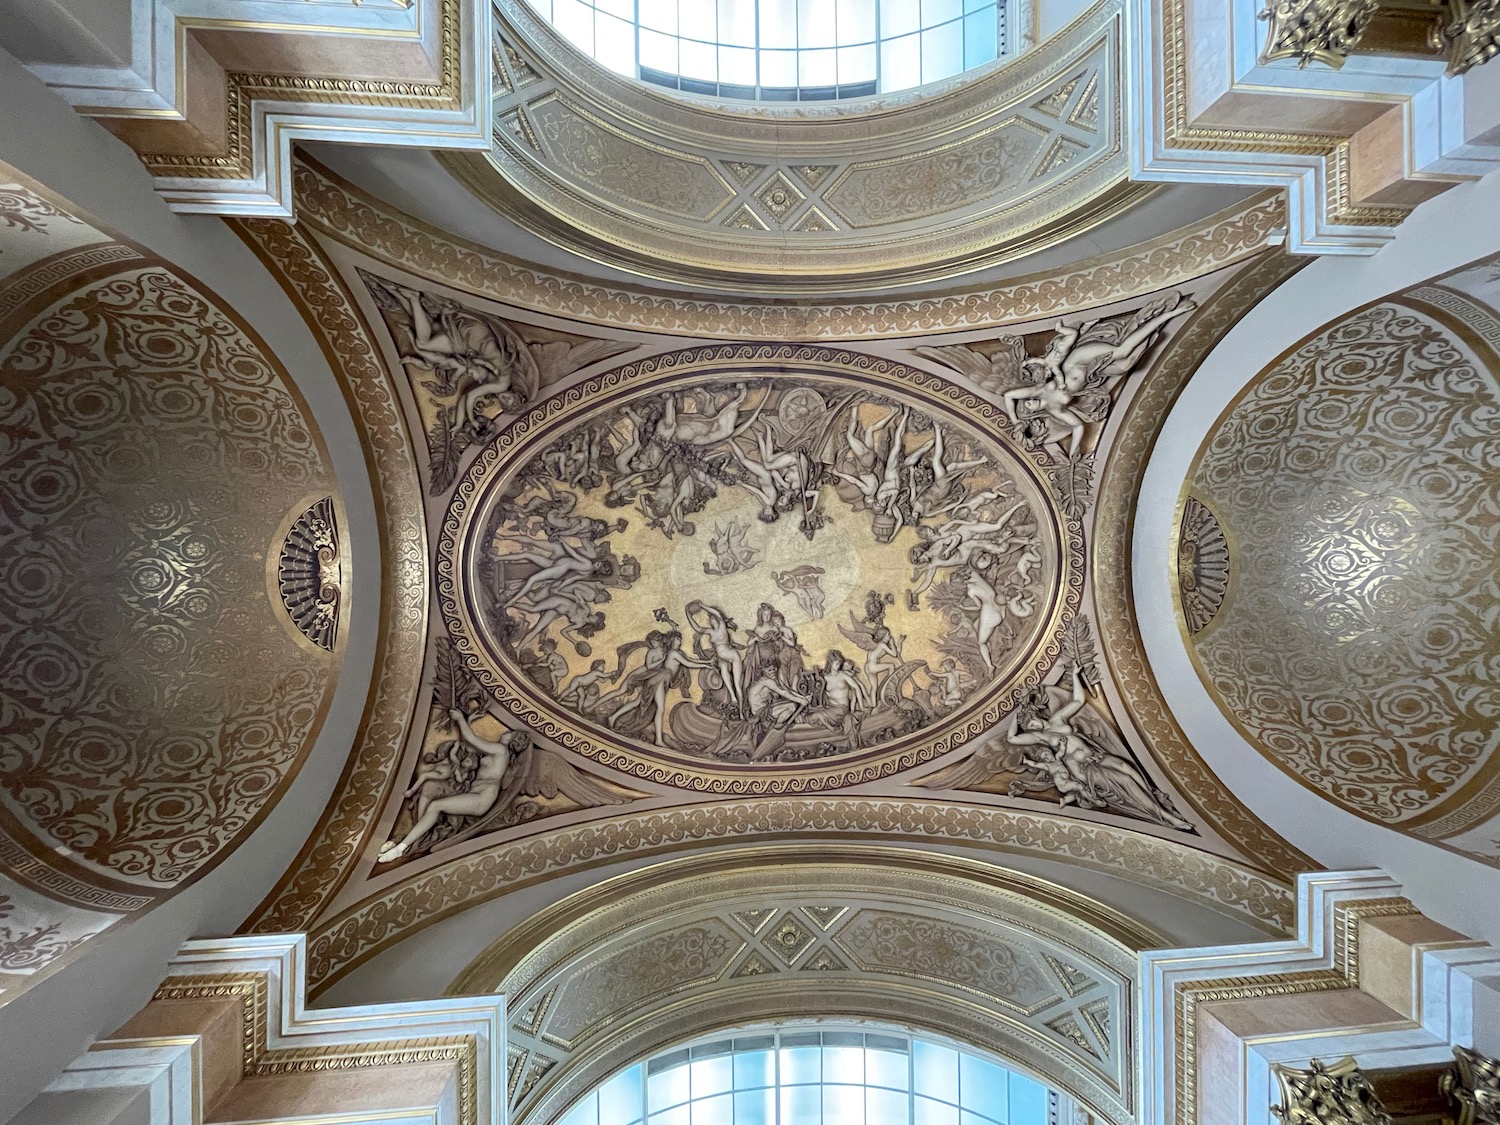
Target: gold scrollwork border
<point>342,942</point>
<point>338,209</point>
<point>327,859</point>
<point>600,393</point>
<point>1113,573</point>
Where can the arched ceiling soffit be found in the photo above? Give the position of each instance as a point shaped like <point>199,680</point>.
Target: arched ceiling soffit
<point>642,962</point>
<point>356,225</point>
<point>859,589</point>
<point>1336,561</point>
<point>172,585</point>
<point>752,197</point>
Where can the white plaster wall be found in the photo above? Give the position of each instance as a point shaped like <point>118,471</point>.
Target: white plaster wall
<point>1455,228</point>
<point>46,1027</point>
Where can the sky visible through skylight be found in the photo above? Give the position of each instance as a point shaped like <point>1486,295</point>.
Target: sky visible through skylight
<point>782,50</point>
<point>810,1077</point>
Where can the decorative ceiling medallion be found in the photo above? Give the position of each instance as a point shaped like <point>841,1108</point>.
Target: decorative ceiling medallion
<point>1202,565</point>
<point>309,574</point>
<point>837,567</point>
<point>907,187</point>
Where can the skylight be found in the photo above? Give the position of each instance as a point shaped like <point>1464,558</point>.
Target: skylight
<point>815,1077</point>
<point>783,50</point>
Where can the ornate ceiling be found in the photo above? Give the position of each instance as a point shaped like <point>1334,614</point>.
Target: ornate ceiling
<point>1336,560</point>
<point>656,591</point>
<point>170,591</point>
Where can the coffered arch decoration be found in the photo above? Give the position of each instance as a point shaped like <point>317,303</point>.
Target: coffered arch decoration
<point>1026,969</point>
<point>885,191</point>
<point>1356,483</point>
<point>170,548</point>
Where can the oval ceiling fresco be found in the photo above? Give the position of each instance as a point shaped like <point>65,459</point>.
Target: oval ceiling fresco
<point>756,570</point>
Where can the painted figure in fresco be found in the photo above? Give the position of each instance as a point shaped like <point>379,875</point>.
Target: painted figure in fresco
<point>714,632</point>
<point>583,689</point>
<point>760,449</point>
<point>479,796</point>
<point>802,583</point>
<point>1081,365</point>
<point>731,553</point>
<point>1082,769</point>
<point>663,670</point>
<point>471,360</point>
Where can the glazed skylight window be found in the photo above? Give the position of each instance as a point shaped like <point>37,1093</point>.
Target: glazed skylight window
<point>812,1077</point>
<point>783,50</point>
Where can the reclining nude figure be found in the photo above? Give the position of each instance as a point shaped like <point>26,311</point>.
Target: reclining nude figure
<point>478,799</point>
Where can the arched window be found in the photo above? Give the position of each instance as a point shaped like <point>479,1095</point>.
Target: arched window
<point>816,1076</point>
<point>783,50</point>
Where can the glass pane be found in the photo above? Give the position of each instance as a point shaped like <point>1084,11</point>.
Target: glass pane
<point>901,63</point>
<point>758,1107</point>
<point>886,1107</point>
<point>717,1110</point>
<point>816,25</point>
<point>623,9</point>
<point>856,21</point>
<point>754,1068</point>
<point>696,20</point>
<point>712,1076</point>
<point>817,68</point>
<point>614,45</point>
<point>697,60</point>
<point>942,52</point>
<point>981,38</point>
<point>844,1064</point>
<point>737,65</point>
<point>668,1088</point>
<point>576,22</point>
<point>983,1087</point>
<point>584,1113</point>
<point>844,1104</point>
<point>778,69</point>
<point>678,1116</point>
<point>1028,1101</point>
<point>935,1070</point>
<point>976,5</point>
<point>886,1068</point>
<point>940,11</point>
<point>778,23</point>
<point>660,15</point>
<point>620,1097</point>
<point>736,22</point>
<point>928,1112</point>
<point>800,1064</point>
<point>802,1105</point>
<point>897,17</point>
<point>658,52</point>
<point>856,64</point>
<point>967,1118</point>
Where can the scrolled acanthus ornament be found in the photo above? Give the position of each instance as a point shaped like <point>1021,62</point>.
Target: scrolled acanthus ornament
<point>1473,1085</point>
<point>1325,31</point>
<point>1340,1094</point>
<point>1471,33</point>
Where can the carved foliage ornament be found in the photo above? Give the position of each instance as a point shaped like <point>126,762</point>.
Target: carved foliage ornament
<point>1325,31</point>
<point>1328,1095</point>
<point>1473,1085</point>
<point>1472,33</point>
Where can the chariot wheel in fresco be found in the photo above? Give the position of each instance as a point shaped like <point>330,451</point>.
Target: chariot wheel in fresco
<point>749,569</point>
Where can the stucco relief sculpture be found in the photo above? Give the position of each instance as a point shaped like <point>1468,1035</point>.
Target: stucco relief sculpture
<point>475,775</point>
<point>831,515</point>
<point>1061,398</point>
<point>1340,1094</point>
<point>1058,745</point>
<point>472,368</point>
